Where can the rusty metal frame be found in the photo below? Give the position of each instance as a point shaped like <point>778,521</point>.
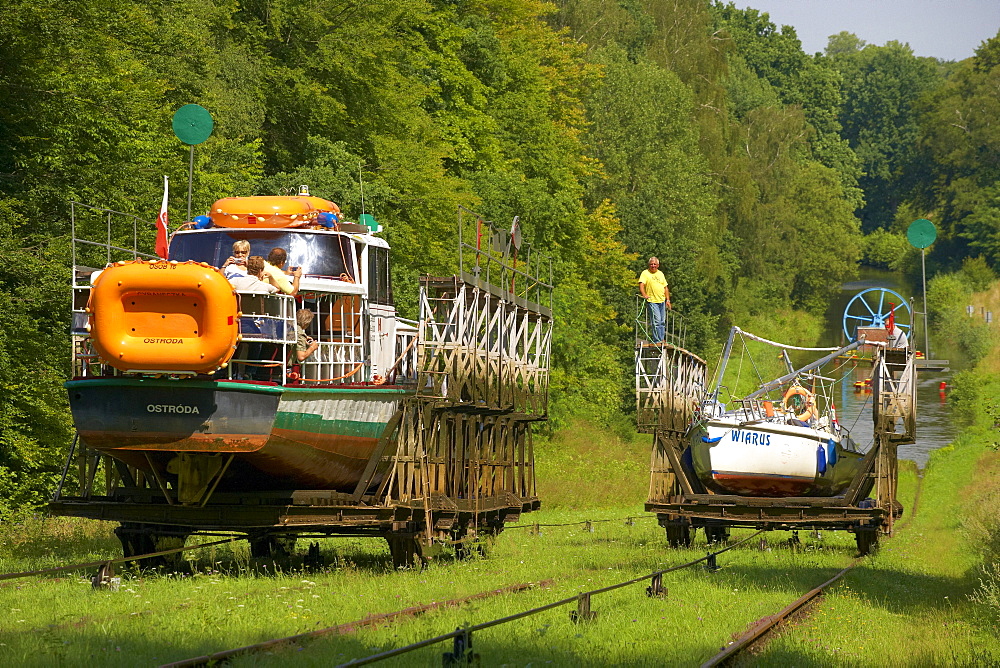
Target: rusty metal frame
<point>457,460</point>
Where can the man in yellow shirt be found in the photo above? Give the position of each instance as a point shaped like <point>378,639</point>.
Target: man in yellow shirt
<point>654,289</point>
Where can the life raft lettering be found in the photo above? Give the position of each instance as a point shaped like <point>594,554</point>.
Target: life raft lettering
<point>171,408</point>
<point>163,340</point>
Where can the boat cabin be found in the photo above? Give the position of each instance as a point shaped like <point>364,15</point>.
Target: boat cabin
<point>346,283</point>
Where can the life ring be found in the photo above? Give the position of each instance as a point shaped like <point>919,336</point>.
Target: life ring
<point>807,397</point>
<point>159,316</point>
<point>265,211</point>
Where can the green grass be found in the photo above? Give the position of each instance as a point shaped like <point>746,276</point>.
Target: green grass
<point>907,605</point>
<point>910,604</point>
<point>154,619</point>
<point>582,467</point>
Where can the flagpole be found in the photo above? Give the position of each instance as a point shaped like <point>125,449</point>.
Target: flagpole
<point>162,224</point>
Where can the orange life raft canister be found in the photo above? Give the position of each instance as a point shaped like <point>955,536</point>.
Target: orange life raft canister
<point>264,212</point>
<point>154,315</point>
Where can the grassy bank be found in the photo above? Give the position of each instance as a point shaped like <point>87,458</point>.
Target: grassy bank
<point>231,600</point>
<point>923,599</point>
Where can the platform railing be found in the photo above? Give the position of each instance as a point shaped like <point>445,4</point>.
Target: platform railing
<point>674,325</point>
<point>267,327</point>
<point>481,350</point>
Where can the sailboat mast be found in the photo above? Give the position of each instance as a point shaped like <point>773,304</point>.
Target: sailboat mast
<point>725,360</point>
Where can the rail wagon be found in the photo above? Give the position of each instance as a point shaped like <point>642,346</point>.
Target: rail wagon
<point>204,403</point>
<point>760,463</point>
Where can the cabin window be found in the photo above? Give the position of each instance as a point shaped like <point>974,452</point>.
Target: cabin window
<point>320,254</point>
<point>379,279</point>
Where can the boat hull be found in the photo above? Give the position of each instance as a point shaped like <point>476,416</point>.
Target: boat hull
<point>771,459</point>
<point>324,439</point>
<point>304,438</point>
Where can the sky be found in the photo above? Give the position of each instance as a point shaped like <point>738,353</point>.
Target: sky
<point>945,29</point>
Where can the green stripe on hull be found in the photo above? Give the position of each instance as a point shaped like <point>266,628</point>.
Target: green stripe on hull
<point>361,414</point>
<point>129,381</point>
<point>316,424</point>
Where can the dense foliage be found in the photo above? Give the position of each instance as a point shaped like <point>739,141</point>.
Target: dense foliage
<point>697,132</point>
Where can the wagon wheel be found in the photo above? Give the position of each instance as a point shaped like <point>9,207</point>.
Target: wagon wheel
<point>271,545</point>
<point>871,308</point>
<point>678,533</point>
<point>138,539</point>
<point>866,539</point>
<point>716,534</point>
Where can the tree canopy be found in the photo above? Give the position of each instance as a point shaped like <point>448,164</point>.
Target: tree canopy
<point>692,130</point>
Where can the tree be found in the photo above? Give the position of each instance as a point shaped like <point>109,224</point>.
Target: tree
<point>960,155</point>
<point>883,86</point>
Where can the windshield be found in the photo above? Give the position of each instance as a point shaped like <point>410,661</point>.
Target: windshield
<point>318,253</point>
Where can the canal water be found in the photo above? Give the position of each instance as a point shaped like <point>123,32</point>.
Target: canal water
<point>935,428</point>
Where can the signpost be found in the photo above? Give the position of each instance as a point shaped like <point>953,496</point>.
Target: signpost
<point>921,233</point>
<point>192,125</point>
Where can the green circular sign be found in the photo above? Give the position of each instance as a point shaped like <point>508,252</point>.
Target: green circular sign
<point>193,124</point>
<point>921,233</point>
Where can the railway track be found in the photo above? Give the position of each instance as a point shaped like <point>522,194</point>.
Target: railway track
<point>760,632</point>
<point>581,602</point>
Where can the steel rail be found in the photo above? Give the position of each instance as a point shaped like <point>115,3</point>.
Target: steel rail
<point>534,611</point>
<point>767,624</point>
<point>371,620</point>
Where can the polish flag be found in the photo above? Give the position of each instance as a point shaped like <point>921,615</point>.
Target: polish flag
<point>161,223</point>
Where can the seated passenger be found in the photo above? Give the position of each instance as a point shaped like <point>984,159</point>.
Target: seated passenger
<point>236,264</point>
<point>273,269</point>
<point>305,345</point>
<point>253,279</point>
<point>253,325</point>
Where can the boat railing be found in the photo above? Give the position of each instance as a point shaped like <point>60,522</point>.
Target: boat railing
<point>339,327</point>
<point>267,327</point>
<point>404,367</point>
<point>754,410</point>
<point>102,236</point>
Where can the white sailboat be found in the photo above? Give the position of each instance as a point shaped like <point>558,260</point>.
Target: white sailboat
<point>786,446</point>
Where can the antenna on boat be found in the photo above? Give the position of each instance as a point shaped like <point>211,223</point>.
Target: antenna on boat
<point>361,183</point>
<point>721,371</point>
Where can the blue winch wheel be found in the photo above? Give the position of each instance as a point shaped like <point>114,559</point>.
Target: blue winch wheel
<point>870,308</point>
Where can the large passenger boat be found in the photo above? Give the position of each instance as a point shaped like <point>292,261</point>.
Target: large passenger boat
<point>199,384</point>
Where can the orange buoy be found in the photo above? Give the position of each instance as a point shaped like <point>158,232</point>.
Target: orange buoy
<point>159,316</point>
<point>809,403</point>
<point>321,204</point>
<point>265,211</point>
